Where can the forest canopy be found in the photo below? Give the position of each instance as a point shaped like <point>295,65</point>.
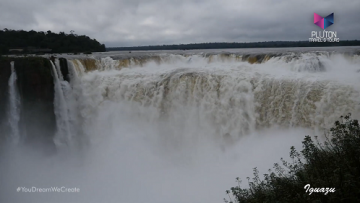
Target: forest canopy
<point>20,41</point>
<point>227,45</point>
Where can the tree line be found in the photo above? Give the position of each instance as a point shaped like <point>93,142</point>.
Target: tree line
<point>226,45</point>
<point>32,41</point>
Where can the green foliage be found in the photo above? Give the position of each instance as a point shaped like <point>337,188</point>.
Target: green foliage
<point>33,42</point>
<point>332,164</point>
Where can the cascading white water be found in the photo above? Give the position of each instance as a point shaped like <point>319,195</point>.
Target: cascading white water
<point>58,69</point>
<point>180,128</point>
<point>232,98</point>
<point>14,106</point>
<point>63,134</point>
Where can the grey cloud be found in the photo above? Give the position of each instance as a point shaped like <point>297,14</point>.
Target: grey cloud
<point>144,22</point>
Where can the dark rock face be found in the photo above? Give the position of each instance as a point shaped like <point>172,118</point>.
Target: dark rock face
<point>5,72</point>
<point>64,69</point>
<point>36,89</point>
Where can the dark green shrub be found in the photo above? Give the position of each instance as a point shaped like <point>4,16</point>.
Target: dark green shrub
<point>332,164</point>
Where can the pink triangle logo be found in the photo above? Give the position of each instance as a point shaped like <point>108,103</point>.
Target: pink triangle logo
<point>318,20</point>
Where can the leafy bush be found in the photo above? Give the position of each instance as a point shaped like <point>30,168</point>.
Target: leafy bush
<point>332,164</point>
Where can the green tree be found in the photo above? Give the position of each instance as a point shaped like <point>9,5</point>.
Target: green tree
<point>332,164</point>
<point>58,43</point>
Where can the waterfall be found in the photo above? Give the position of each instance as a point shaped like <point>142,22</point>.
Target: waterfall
<point>14,106</point>
<point>63,135</point>
<point>198,120</point>
<point>58,69</point>
<point>231,97</point>
<point>220,93</point>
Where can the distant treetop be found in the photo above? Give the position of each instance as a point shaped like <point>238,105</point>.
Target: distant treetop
<point>231,45</point>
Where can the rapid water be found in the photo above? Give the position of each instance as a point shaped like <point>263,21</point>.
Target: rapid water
<point>14,106</point>
<point>63,134</point>
<point>168,127</point>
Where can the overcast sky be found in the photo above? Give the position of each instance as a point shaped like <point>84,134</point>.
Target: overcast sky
<point>153,22</point>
